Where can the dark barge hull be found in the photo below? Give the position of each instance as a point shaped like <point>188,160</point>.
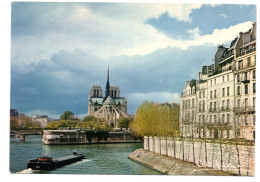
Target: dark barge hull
<point>55,163</point>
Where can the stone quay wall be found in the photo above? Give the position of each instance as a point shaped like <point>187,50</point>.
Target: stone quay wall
<point>66,137</point>
<point>171,166</point>
<point>216,154</point>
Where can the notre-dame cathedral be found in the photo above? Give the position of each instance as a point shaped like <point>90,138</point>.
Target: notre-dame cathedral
<point>110,107</point>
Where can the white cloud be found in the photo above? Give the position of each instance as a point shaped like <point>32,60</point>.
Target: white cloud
<point>195,33</point>
<point>160,97</point>
<point>223,15</point>
<point>110,30</point>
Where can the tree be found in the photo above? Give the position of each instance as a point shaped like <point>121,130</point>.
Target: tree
<point>14,122</point>
<point>156,120</point>
<point>89,118</point>
<point>66,115</point>
<point>123,122</point>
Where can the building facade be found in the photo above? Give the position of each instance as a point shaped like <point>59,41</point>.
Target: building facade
<point>221,103</point>
<point>110,107</point>
<point>42,120</point>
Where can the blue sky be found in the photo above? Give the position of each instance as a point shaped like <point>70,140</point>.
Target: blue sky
<point>59,50</point>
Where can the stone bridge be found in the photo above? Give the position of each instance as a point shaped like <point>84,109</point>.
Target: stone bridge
<point>23,133</point>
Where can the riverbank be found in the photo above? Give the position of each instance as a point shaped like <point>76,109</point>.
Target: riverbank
<point>171,166</point>
<point>77,137</point>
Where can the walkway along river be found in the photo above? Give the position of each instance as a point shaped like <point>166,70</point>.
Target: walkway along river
<point>100,158</point>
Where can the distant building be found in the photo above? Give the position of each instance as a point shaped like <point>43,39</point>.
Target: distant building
<point>14,112</point>
<point>221,103</point>
<point>43,120</point>
<point>110,107</point>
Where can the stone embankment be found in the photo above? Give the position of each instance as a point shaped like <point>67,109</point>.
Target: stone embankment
<point>171,166</point>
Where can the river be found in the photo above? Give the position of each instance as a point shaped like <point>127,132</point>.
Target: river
<point>99,158</point>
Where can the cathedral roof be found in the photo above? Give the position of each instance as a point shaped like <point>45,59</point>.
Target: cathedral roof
<point>96,100</point>
<point>109,101</point>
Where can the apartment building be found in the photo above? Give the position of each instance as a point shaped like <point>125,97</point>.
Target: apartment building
<point>224,94</point>
<point>245,84</point>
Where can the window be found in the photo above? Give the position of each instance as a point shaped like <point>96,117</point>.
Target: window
<point>215,106</point>
<point>210,94</point>
<point>193,102</point>
<point>246,120</point>
<point>227,133</point>
<point>199,94</point>
<point>210,82</point>
<point>192,116</point>
<point>238,132</point>
<point>238,78</point>
<point>203,93</point>
<point>227,77</point>
<point>215,81</point>
<point>246,102</point>
<point>210,119</point>
<point>223,118</point>
<point>228,103</point>
<point>203,106</point>
<point>200,106</point>
<point>239,121</point>
<point>210,106</point>
<point>249,61</point>
<point>228,118</point>
<point>223,103</point>
<point>254,101</point>
<point>223,92</point>
<point>227,91</point>
<point>246,89</point>
<point>238,103</point>
<point>215,93</point>
<point>223,79</point>
<point>245,76</point>
<point>253,74</point>
<point>254,88</point>
<point>215,119</point>
<point>253,119</point>
<point>240,65</point>
<point>238,90</point>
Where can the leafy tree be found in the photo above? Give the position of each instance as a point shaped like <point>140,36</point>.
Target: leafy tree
<point>123,122</point>
<point>14,123</point>
<point>53,124</point>
<point>90,135</point>
<point>66,115</point>
<point>89,118</point>
<point>156,120</point>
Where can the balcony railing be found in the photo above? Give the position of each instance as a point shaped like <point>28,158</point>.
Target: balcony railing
<point>245,80</point>
<point>220,71</point>
<point>246,52</point>
<point>245,109</point>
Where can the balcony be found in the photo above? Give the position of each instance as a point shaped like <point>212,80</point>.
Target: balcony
<point>186,121</point>
<point>245,80</point>
<point>225,108</point>
<point>246,52</point>
<point>220,71</point>
<point>244,109</point>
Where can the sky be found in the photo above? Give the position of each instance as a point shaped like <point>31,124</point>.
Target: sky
<point>59,50</point>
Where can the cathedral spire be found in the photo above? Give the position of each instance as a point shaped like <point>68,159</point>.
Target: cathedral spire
<point>107,84</point>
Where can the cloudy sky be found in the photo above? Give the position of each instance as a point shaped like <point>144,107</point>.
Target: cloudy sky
<point>59,50</point>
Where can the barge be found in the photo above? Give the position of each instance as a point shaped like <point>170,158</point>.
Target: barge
<point>47,163</point>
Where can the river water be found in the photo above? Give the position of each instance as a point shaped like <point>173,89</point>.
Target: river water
<point>99,158</point>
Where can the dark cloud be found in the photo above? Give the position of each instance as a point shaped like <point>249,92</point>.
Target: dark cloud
<point>63,82</point>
